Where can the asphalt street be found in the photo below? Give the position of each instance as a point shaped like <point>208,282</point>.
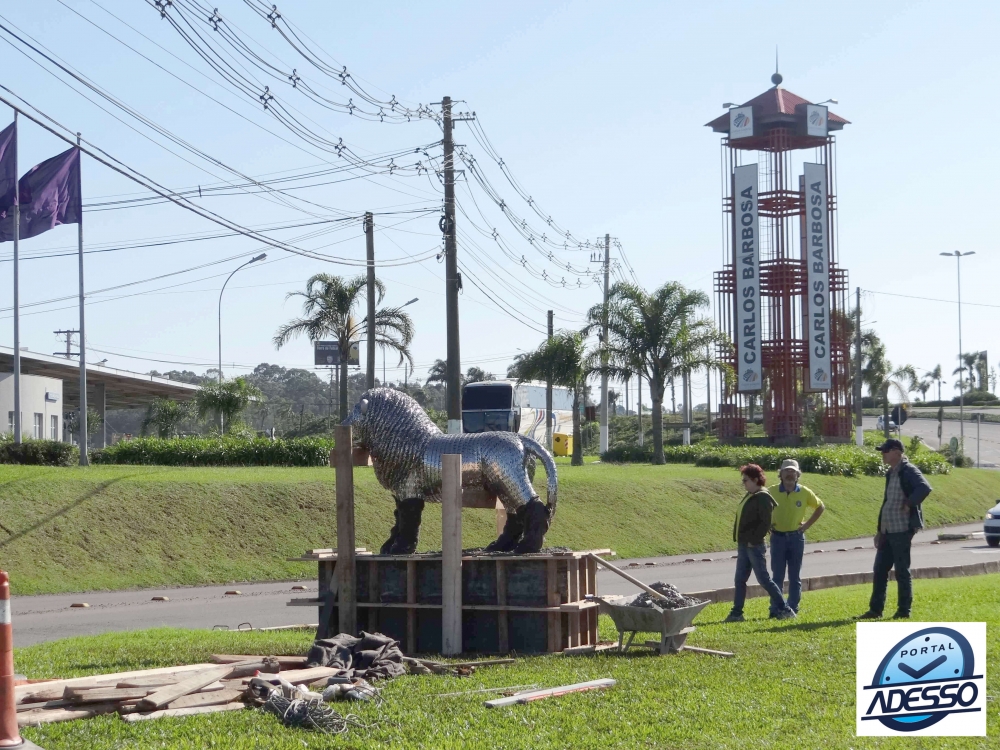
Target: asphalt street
<point>259,605</point>
<point>988,442</point>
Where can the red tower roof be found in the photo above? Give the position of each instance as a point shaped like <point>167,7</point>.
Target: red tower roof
<point>776,105</point>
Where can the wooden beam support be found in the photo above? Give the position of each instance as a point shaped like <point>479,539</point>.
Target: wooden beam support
<point>451,554</point>
<point>345,571</point>
<point>411,613</point>
<point>503,636</point>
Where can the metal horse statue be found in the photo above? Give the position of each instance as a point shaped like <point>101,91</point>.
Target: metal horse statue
<point>406,449</point>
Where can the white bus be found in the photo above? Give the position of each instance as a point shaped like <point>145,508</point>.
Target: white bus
<point>505,405</point>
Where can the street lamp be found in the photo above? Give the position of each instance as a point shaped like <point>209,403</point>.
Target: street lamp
<point>262,256</point>
<point>415,299</point>
<point>961,369</point>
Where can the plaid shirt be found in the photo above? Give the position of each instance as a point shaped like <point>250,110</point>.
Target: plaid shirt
<point>895,512</point>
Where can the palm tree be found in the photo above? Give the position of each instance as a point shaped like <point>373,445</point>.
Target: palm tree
<point>478,375</point>
<point>329,305</point>
<point>935,375</point>
<point>658,335</point>
<point>163,415</point>
<point>564,359</point>
<point>923,386</point>
<point>438,372</point>
<point>967,361</point>
<point>880,376</point>
<point>227,400</point>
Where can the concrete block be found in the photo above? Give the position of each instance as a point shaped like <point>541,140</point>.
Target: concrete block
<point>725,595</point>
<point>925,572</point>
<point>950,571</point>
<point>975,569</point>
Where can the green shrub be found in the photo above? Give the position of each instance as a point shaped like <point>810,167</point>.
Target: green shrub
<point>841,460</point>
<point>216,451</point>
<point>38,453</point>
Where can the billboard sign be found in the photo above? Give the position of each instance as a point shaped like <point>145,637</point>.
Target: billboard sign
<point>746,256</point>
<point>740,122</point>
<point>327,354</point>
<point>816,120</point>
<point>816,254</point>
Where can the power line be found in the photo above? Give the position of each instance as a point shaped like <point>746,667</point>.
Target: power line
<point>929,299</point>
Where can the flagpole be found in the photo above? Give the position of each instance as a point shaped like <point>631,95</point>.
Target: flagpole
<point>84,457</point>
<point>17,311</point>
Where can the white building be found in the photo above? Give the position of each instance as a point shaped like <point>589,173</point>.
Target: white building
<point>41,406</point>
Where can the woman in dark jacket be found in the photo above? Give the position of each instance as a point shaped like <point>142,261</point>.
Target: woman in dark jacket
<point>753,521</point>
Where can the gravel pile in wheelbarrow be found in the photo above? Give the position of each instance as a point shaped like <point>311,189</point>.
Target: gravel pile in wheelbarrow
<point>675,599</point>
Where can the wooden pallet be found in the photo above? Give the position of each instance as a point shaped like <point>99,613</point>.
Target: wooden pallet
<point>524,603</point>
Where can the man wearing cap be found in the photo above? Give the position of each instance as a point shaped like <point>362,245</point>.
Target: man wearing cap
<point>788,529</point>
<point>898,520</point>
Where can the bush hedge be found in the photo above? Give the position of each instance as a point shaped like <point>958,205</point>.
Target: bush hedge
<point>38,453</point>
<point>841,460</point>
<point>215,451</point>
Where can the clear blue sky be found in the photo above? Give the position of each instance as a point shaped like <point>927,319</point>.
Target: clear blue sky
<point>598,109</point>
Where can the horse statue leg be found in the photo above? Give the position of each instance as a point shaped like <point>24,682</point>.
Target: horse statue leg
<point>394,532</point>
<point>408,526</point>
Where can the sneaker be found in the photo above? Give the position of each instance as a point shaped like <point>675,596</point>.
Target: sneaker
<point>900,615</point>
<point>734,618</point>
<point>870,615</point>
<point>788,614</point>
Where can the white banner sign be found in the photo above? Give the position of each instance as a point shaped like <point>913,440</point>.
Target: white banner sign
<point>816,254</point>
<point>740,123</point>
<point>746,253</point>
<point>816,120</point>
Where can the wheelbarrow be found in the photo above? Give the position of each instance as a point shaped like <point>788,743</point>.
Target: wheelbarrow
<point>673,625</point>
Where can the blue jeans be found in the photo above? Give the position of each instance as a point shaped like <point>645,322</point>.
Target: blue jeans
<point>786,552</point>
<point>753,557</point>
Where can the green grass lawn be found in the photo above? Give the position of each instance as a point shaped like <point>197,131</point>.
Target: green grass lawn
<point>115,527</point>
<point>790,686</point>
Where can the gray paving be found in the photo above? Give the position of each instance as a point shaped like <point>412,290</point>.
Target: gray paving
<point>49,617</point>
<point>988,441</point>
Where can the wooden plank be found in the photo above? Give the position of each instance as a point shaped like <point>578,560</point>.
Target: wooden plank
<point>501,517</point>
<point>552,594</point>
<point>574,581</point>
<point>193,711</point>
<point>346,606</point>
<point>46,706</point>
<point>105,695</point>
<point>307,676</point>
<point>192,684</point>
<point>53,690</point>
<point>437,556</point>
<point>503,635</point>
<point>411,598</point>
<point>31,718</point>
<point>451,554</point>
<point>709,651</point>
<point>374,596</point>
<point>534,695</point>
<point>214,698</point>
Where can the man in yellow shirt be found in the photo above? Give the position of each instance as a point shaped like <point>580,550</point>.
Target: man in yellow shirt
<point>788,529</point>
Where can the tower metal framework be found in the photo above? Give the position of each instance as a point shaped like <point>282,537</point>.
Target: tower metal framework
<point>779,145</point>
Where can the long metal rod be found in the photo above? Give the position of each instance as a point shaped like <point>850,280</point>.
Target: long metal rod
<point>252,260</point>
<point>548,393</point>
<point>858,411</point>
<point>17,297</point>
<point>84,456</point>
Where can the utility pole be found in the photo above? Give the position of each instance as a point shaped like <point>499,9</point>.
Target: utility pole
<point>686,407</point>
<point>370,246</point>
<point>452,280</point>
<point>859,430</point>
<point>708,392</point>
<point>961,362</point>
<point>548,395</point>
<point>604,352</point>
<point>69,343</point>
<point>84,457</point>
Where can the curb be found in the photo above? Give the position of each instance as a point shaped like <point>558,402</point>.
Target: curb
<point>817,583</point>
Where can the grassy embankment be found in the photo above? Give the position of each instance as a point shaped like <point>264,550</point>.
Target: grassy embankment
<point>114,527</point>
<point>791,686</point>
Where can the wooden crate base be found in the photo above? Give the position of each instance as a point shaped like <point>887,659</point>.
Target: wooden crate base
<point>522,603</point>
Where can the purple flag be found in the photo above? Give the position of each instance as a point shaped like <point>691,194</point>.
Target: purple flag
<point>49,196</point>
<point>8,150</point>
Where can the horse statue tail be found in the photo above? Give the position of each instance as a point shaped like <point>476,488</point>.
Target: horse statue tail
<point>532,446</point>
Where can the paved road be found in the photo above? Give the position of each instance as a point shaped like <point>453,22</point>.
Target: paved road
<point>45,618</point>
<point>989,437</point>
